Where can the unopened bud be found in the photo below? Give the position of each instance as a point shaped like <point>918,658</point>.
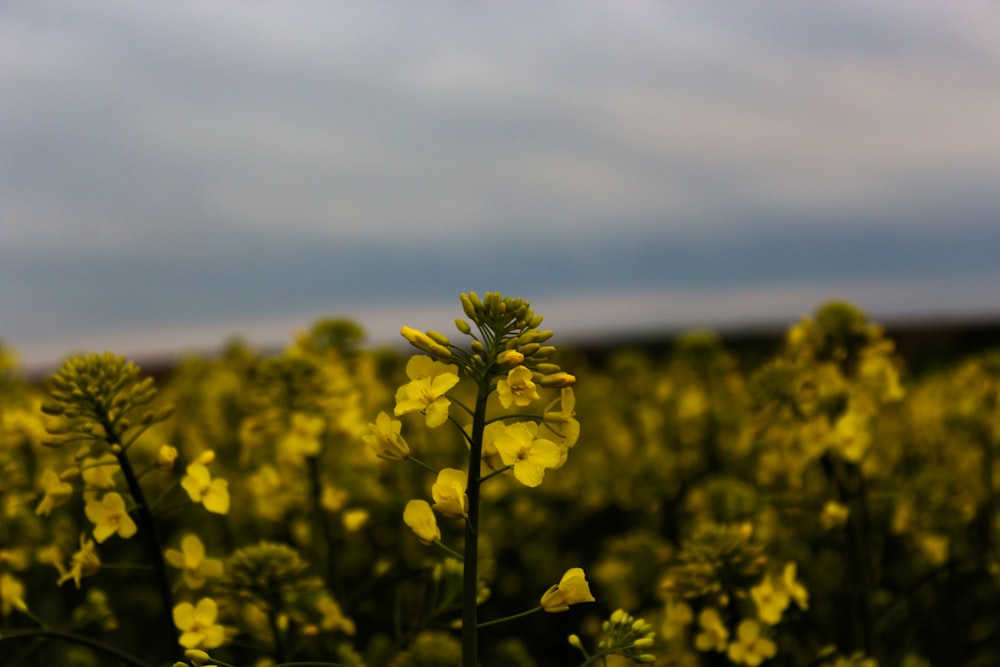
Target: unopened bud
<point>69,474</point>
<point>510,358</point>
<point>53,409</point>
<point>574,641</point>
<point>462,326</point>
<point>545,351</point>
<point>544,335</point>
<point>438,337</point>
<point>205,457</point>
<point>165,457</point>
<point>468,306</point>
<point>547,368</point>
<point>477,347</point>
<point>529,349</point>
<point>557,380</point>
<point>535,321</point>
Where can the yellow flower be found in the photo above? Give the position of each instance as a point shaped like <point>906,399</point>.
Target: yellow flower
<point>676,617</point>
<point>529,457</point>
<point>571,589</point>
<point>56,493</point>
<point>771,601</point>
<point>197,624</point>
<point>354,519</point>
<point>425,393</point>
<point>750,648</point>
<point>793,588</point>
<point>11,594</point>
<point>449,493</point>
<point>385,439</point>
<point>212,493</point>
<point>563,423</point>
<point>165,457</point>
<point>714,635</point>
<point>303,438</point>
<point>833,514</point>
<point>82,564</point>
<point>110,517</point>
<point>333,617</point>
<point>419,516</point>
<point>517,389</point>
<point>191,560</point>
<point>99,473</point>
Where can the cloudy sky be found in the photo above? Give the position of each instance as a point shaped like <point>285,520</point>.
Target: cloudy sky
<point>175,173</point>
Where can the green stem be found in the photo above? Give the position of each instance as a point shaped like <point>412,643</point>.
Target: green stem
<point>511,618</point>
<point>81,640</point>
<point>449,550</point>
<point>495,473</point>
<point>155,547</point>
<point>470,580</point>
<point>422,464</point>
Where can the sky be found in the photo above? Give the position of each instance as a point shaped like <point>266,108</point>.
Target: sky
<point>174,174</point>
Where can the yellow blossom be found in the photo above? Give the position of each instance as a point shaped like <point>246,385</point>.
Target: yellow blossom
<point>529,457</point>
<point>11,594</point>
<point>676,617</point>
<point>793,588</point>
<point>771,601</point>
<point>563,423</point>
<point>165,457</point>
<point>303,439</point>
<point>197,624</point>
<point>750,648</point>
<point>385,440</point>
<point>212,493</point>
<point>354,519</point>
<point>82,564</point>
<point>192,562</point>
<point>56,493</point>
<point>571,589</point>
<point>425,393</point>
<point>333,617</point>
<point>110,517</point>
<point>833,514</point>
<point>449,493</point>
<point>419,516</point>
<point>714,635</point>
<point>99,473</point>
<point>517,388</point>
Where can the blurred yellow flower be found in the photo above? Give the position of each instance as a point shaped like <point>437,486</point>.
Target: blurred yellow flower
<point>333,617</point>
<point>517,388</point>
<point>449,493</point>
<point>192,562</point>
<point>56,492</point>
<point>212,493</point>
<point>385,439</point>
<point>793,588</point>
<point>425,393</point>
<point>302,439</point>
<point>676,617</point>
<point>197,624</point>
<point>750,648</point>
<point>165,457</point>
<point>714,635</point>
<point>529,457</point>
<point>110,517</point>
<point>771,601</point>
<point>82,564</point>
<point>354,519</point>
<point>833,514</point>
<point>571,589</point>
<point>419,516</point>
<point>11,594</point>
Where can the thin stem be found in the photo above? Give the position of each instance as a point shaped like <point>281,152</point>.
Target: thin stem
<point>422,464</point>
<point>511,618</point>
<point>461,429</point>
<point>470,579</point>
<point>495,473</point>
<point>449,550</point>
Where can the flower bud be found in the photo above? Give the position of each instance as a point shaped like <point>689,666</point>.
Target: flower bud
<point>544,335</point>
<point>545,351</point>
<point>438,337</point>
<point>535,321</point>
<point>165,457</point>
<point>529,349</point>
<point>468,306</point>
<point>547,368</point>
<point>557,380</point>
<point>462,326</point>
<point>510,358</point>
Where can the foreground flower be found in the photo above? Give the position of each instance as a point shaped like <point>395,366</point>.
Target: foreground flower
<point>425,393</point>
<point>530,458</point>
<point>517,389</point>
<point>419,516</point>
<point>572,589</point>
<point>385,440</point>
<point>197,624</point>
<point>191,560</point>
<point>750,648</point>
<point>449,493</point>
<point>212,493</point>
<point>110,517</point>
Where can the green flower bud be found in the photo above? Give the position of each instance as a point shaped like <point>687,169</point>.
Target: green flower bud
<point>438,337</point>
<point>545,351</point>
<point>469,307</point>
<point>535,321</point>
<point>557,380</point>
<point>545,335</point>
<point>547,368</point>
<point>529,349</point>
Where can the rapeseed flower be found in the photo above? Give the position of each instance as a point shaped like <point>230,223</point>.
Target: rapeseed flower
<point>110,517</point>
<point>677,616</point>
<point>419,516</point>
<point>714,635</point>
<point>11,594</point>
<point>529,457</point>
<point>56,493</point>
<point>212,493</point>
<point>563,422</point>
<point>771,601</point>
<point>303,439</point>
<point>517,388</point>
<point>750,648</point>
<point>793,588</point>
<point>449,494</point>
<point>425,393</point>
<point>83,563</point>
<point>571,589</point>
<point>385,439</point>
<point>197,624</point>
<point>195,568</point>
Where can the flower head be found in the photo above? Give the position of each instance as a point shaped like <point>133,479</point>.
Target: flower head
<point>528,456</point>
<point>191,560</point>
<point>197,624</point>
<point>771,601</point>
<point>571,589</point>
<point>82,564</point>
<point>56,493</point>
<point>714,635</point>
<point>212,493</point>
<point>449,493</point>
<point>425,393</point>
<point>517,389</point>
<point>110,517</point>
<point>385,439</point>
<point>750,648</point>
<point>419,516</point>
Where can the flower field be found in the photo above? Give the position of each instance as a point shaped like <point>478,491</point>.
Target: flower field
<point>493,500</point>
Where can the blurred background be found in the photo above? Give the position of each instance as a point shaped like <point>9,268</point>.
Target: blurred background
<point>174,174</point>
